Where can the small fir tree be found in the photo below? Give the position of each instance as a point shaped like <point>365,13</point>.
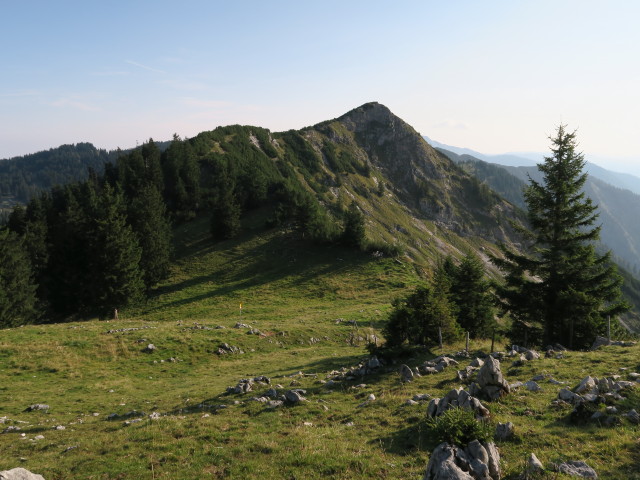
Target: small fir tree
<point>353,233</point>
<point>470,292</point>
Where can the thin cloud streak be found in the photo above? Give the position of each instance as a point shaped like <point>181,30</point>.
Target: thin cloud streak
<point>145,67</point>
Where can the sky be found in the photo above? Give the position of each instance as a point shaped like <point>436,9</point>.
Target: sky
<point>493,76</point>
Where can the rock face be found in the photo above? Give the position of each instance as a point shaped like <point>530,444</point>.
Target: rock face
<point>478,461</point>
<point>417,171</point>
<point>19,474</point>
<point>490,384</point>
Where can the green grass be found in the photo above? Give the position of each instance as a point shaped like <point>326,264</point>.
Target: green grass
<point>294,296</point>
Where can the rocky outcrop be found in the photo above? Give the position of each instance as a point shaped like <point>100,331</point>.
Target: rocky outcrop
<point>477,461</point>
<point>490,384</point>
<point>457,398</point>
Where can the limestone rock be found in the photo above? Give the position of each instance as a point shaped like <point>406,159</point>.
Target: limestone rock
<point>586,385</point>
<point>442,465</point>
<point>534,465</point>
<point>532,386</point>
<point>19,474</point>
<point>406,373</point>
<point>457,398</point>
<point>632,416</point>
<point>294,396</point>
<point>504,431</point>
<point>490,384</point>
<point>476,462</point>
<point>37,406</point>
<point>577,469</point>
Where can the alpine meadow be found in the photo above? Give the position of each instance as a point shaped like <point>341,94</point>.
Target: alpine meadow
<point>341,301</point>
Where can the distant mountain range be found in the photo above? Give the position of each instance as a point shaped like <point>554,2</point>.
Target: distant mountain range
<point>619,208</point>
<point>530,159</point>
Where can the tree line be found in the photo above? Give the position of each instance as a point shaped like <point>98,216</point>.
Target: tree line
<point>89,247</point>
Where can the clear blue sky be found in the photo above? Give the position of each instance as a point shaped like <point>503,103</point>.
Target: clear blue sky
<point>494,76</point>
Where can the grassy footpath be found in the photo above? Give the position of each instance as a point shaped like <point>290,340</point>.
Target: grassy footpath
<point>294,299</point>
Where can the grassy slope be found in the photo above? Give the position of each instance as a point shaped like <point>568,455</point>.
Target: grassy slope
<point>293,296</point>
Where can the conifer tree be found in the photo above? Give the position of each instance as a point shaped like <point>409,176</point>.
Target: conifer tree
<point>181,178</point>
<point>148,218</point>
<point>116,253</point>
<point>152,166</point>
<point>353,234</point>
<point>417,319</point>
<point>17,290</point>
<point>471,295</point>
<point>225,219</point>
<point>67,276</point>
<point>560,285</point>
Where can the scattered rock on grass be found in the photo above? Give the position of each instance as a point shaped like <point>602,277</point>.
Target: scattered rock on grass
<point>534,466</point>
<point>577,469</point>
<point>295,396</point>
<point>504,431</point>
<point>406,374</point>
<point>225,348</point>
<point>19,474</point>
<point>632,416</point>
<point>37,406</point>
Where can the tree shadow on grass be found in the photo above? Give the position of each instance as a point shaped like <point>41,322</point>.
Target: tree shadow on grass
<point>274,261</point>
<point>408,441</point>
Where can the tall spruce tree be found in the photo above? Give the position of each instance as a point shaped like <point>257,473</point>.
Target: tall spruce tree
<point>225,219</point>
<point>17,289</point>
<point>115,255</point>
<point>148,218</point>
<point>560,286</point>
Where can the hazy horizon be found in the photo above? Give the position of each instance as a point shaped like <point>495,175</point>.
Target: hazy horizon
<point>494,77</point>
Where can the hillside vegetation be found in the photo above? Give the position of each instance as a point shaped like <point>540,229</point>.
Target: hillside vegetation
<point>315,314</point>
<point>224,277</point>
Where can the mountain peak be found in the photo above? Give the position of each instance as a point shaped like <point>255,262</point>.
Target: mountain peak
<point>370,113</point>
